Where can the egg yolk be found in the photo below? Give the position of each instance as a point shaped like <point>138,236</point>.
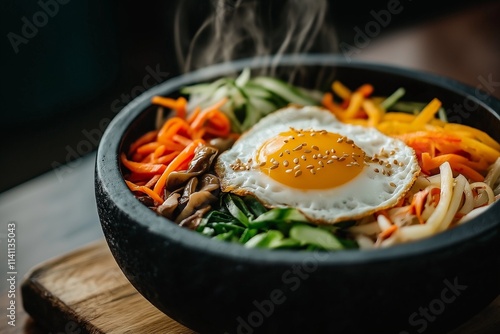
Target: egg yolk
<point>310,159</point>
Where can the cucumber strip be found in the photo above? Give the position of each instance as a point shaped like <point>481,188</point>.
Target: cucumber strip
<point>247,235</point>
<point>442,115</point>
<point>393,98</point>
<point>315,236</point>
<point>269,239</point>
<point>286,91</point>
<point>280,214</point>
<point>243,78</point>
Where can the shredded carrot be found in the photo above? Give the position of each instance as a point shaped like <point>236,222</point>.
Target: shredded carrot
<point>202,117</point>
<point>145,138</point>
<point>146,190</point>
<point>178,105</point>
<point>388,232</point>
<point>186,154</point>
<point>139,167</point>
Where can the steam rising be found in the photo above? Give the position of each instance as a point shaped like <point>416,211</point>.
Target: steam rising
<point>235,29</point>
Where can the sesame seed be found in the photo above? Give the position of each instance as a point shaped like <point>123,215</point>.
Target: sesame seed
<point>380,162</point>
<point>241,168</point>
<point>286,141</point>
<point>349,141</point>
<point>392,184</point>
<point>341,159</point>
<point>348,165</point>
<point>303,157</point>
<point>310,166</point>
<point>274,167</point>
<point>318,168</point>
<point>276,163</point>
<point>312,171</point>
<point>285,163</point>
<point>393,152</point>
<point>295,160</point>
<point>300,135</point>
<point>281,154</point>
<point>298,148</point>
<point>332,150</point>
<point>304,144</point>
<point>321,163</point>
<point>340,140</point>
<point>313,134</point>
<point>388,165</point>
<point>272,160</point>
<point>334,157</point>
<point>395,162</point>
<point>263,163</point>
<point>376,170</point>
<point>296,167</point>
<point>383,172</point>
<point>314,147</point>
<point>325,157</point>
<point>401,164</point>
<point>315,156</point>
<point>289,171</point>
<point>307,151</point>
<point>287,151</point>
<point>329,162</point>
<point>298,173</point>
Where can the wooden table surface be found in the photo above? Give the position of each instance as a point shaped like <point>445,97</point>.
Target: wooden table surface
<point>56,213</point>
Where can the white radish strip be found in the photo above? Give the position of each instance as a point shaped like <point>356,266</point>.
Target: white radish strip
<point>383,222</point>
<point>366,229</point>
<point>472,214</point>
<point>456,198</point>
<point>364,242</point>
<point>421,231</point>
<point>489,192</point>
<point>469,200</point>
<point>493,174</point>
<point>435,179</point>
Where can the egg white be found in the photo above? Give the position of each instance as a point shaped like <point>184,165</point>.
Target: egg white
<point>365,194</point>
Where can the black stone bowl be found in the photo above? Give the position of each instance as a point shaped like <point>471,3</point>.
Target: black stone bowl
<point>211,286</point>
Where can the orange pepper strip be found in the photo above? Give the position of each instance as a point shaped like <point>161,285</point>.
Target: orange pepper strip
<point>140,167</point>
<point>467,171</point>
<point>329,104</point>
<point>186,154</point>
<point>146,190</point>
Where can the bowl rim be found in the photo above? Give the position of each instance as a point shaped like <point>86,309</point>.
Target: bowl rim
<point>107,172</point>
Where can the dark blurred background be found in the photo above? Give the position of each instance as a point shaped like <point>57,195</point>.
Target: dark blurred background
<point>69,66</point>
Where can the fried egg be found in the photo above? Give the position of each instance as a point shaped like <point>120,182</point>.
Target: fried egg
<point>303,157</point>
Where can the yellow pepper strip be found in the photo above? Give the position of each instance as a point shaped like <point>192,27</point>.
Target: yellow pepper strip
<point>374,112</point>
<point>478,134</point>
<point>479,150</point>
<point>354,105</point>
<point>427,113</point>
<point>341,90</point>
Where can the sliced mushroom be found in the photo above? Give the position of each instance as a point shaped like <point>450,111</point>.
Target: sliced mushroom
<point>200,164</point>
<point>193,221</point>
<point>168,207</point>
<point>196,200</point>
<point>221,144</point>
<point>189,189</point>
<point>209,182</point>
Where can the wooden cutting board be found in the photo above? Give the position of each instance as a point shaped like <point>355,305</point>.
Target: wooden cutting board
<point>86,292</point>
